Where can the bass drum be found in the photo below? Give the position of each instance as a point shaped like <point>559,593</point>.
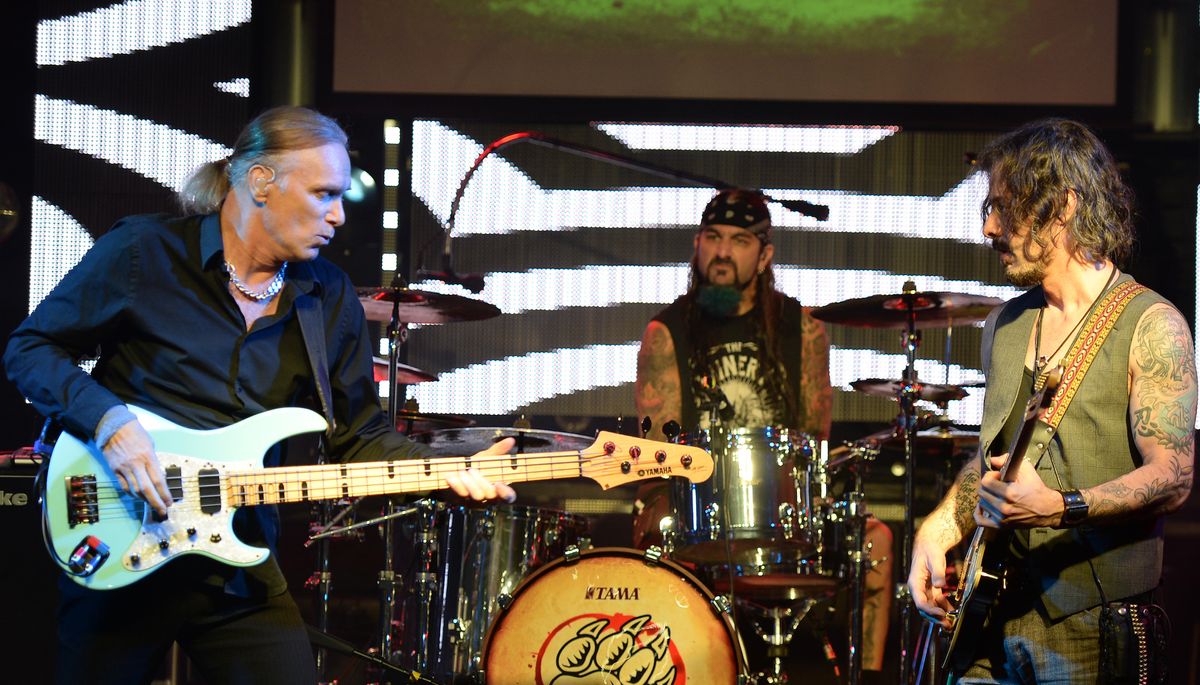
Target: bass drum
<point>612,617</point>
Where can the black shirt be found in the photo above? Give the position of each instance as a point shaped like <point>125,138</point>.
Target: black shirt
<point>733,363</point>
<point>151,298</point>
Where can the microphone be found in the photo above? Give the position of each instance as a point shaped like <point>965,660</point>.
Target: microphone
<point>818,212</point>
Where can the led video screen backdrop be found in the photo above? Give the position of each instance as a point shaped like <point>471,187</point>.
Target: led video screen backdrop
<point>579,255</point>
<point>131,96</point>
<point>938,51</point>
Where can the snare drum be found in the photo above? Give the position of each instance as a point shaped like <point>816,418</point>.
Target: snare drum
<point>741,514</point>
<point>480,555</point>
<point>612,616</point>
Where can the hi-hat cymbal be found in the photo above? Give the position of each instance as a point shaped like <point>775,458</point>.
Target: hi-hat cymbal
<point>412,422</point>
<point>932,392</point>
<point>931,310</point>
<point>462,441</point>
<point>405,374</point>
<point>422,306</point>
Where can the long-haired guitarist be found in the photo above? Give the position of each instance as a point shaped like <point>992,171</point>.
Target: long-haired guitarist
<point>197,319</point>
<point>1114,452</point>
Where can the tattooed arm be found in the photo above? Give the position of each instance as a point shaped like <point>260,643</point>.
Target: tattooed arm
<point>657,391</point>
<point>816,395</point>
<point>944,528</point>
<point>1162,414</point>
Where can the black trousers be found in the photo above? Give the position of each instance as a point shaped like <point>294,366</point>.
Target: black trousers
<point>122,636</point>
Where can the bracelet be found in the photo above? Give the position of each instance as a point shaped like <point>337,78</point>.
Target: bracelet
<point>1075,508</point>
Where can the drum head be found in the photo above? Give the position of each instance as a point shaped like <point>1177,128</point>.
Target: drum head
<point>611,617</point>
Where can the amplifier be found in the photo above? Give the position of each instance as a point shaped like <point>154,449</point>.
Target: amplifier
<point>28,579</point>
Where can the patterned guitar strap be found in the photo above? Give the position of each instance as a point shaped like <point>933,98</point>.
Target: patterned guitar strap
<point>1080,357</point>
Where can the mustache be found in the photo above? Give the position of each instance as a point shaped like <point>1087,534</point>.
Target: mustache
<point>1001,245</point>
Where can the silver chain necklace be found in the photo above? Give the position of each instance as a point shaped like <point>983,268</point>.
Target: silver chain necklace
<point>266,293</point>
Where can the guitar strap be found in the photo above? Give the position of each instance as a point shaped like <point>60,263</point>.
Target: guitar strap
<point>1080,357</point>
<point>308,311</point>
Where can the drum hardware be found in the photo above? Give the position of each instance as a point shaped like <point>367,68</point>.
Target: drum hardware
<point>734,516</point>
<point>469,440</point>
<point>469,563</point>
<point>421,306</point>
<point>324,640</point>
<point>783,622</point>
<point>413,422</point>
<point>930,392</point>
<point>909,311</point>
<point>608,614</point>
<point>405,374</point>
<point>330,531</point>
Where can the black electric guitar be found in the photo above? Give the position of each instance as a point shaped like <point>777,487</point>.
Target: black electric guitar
<point>983,577</point>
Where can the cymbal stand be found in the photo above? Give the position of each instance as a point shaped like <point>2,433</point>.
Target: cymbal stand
<point>321,581</point>
<point>860,562</point>
<point>908,413</point>
<point>397,332</point>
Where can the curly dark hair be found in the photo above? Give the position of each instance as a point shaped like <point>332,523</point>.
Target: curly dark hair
<point>1033,169</point>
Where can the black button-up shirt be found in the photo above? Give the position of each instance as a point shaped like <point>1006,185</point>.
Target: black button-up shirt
<point>151,298</point>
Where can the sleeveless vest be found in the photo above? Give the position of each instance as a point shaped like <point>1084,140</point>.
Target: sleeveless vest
<point>674,317</point>
<point>1094,444</point>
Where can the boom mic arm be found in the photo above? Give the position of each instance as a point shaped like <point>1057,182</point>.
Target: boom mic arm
<point>448,275</point>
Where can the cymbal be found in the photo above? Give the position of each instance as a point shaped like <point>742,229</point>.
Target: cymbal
<point>935,443</point>
<point>463,441</point>
<point>405,374</point>
<point>422,306</point>
<point>932,310</point>
<point>932,392</point>
<point>412,422</point>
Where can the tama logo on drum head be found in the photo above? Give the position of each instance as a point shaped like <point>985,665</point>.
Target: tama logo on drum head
<point>603,592</point>
<point>656,471</point>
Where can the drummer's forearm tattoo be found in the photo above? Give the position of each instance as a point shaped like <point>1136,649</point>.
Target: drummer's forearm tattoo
<point>657,390</point>
<point>816,401</point>
<point>1162,412</point>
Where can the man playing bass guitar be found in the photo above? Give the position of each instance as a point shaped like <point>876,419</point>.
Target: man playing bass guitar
<point>201,320</point>
<point>1114,451</point>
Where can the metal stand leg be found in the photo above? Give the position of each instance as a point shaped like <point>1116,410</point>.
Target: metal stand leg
<point>782,622</point>
<point>859,563</point>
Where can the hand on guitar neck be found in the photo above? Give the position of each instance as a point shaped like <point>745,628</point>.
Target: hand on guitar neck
<point>474,485</point>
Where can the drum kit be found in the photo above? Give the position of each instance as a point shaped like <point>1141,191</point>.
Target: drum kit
<point>515,594</point>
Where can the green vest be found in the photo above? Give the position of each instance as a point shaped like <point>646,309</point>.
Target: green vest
<point>1093,445</point>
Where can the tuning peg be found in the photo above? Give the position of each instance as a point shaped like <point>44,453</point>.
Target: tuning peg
<point>646,426</point>
<point>672,430</point>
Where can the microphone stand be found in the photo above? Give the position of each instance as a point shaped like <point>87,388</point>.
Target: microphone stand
<point>818,212</point>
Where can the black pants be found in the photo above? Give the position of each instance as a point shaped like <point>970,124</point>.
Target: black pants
<point>122,636</point>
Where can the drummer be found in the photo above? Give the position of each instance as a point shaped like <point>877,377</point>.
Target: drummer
<point>735,348</point>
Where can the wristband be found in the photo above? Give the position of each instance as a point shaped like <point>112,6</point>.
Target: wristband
<point>1075,508</point>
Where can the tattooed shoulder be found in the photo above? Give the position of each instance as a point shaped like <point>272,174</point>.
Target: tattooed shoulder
<point>1163,374</point>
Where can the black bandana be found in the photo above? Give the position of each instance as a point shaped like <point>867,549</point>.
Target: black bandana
<point>743,208</point>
